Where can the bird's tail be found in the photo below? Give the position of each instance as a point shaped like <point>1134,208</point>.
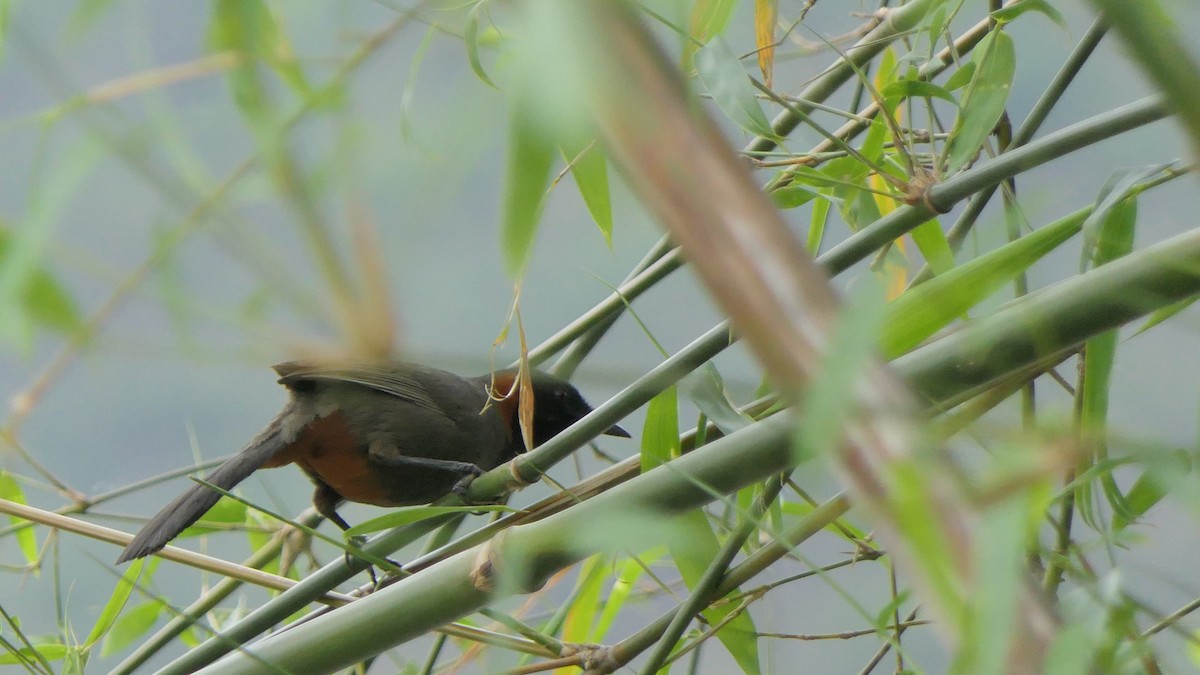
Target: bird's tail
<point>189,506</point>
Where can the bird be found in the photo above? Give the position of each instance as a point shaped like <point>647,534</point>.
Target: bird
<point>389,433</point>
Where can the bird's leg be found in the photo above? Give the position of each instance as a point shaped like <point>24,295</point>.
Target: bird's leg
<point>326,501</point>
<point>465,471</point>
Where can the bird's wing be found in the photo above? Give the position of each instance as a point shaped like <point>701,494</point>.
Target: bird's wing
<point>393,378</point>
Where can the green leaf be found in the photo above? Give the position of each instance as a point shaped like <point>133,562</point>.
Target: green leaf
<point>927,308</point>
<point>415,514</point>
<point>708,18</point>
<point>816,226</point>
<point>830,398</point>
<point>225,512</point>
<point>792,196</point>
<point>530,155</point>
<point>131,627</point>
<point>85,16</point>
<point>40,298</point>
<point>726,80</point>
<point>660,433</point>
<point>1113,240</point>
<point>931,241</point>
<point>1165,313</point>
<point>961,77</point>
<point>116,602</point>
<point>589,168</point>
<point>11,490</point>
<point>984,99</point>
<point>1070,652</point>
<point>1120,186</point>
<point>706,389</point>
<point>52,651</point>
<point>993,600</point>
<point>250,27</point>
<point>587,599</point>
<point>916,89</point>
<point>471,41</point>
<point>693,545</point>
<point>914,511</point>
<point>623,584</point>
<point>1008,14</point>
<point>1147,491</point>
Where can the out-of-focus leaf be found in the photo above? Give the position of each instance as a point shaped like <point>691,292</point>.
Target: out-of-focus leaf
<point>29,295</point>
<point>471,40</point>
<point>830,397</point>
<point>765,12</point>
<point>1070,652</point>
<point>86,13</point>
<point>998,556</point>
<point>984,99</point>
<point>589,168</point>
<point>726,80</point>
<point>708,18</point>
<point>526,179</point>
<point>250,27</point>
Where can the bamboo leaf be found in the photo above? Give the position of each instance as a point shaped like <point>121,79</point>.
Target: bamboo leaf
<point>585,606</point>
<point>929,307</point>
<point>1114,239</point>
<point>1010,13</point>
<point>660,433</point>
<point>706,389</point>
<point>707,19</point>
<point>765,12</point>
<point>116,602</point>
<point>692,546</point>
<point>11,490</point>
<point>415,514</point>
<point>589,168</point>
<point>984,99</point>
<point>526,181</point>
<point>727,82</point>
<point>916,89</point>
<point>931,242</point>
<point>471,42</point>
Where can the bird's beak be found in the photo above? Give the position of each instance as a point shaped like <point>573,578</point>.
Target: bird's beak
<point>615,430</point>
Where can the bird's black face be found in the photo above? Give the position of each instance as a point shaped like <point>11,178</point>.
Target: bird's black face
<point>558,405</point>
